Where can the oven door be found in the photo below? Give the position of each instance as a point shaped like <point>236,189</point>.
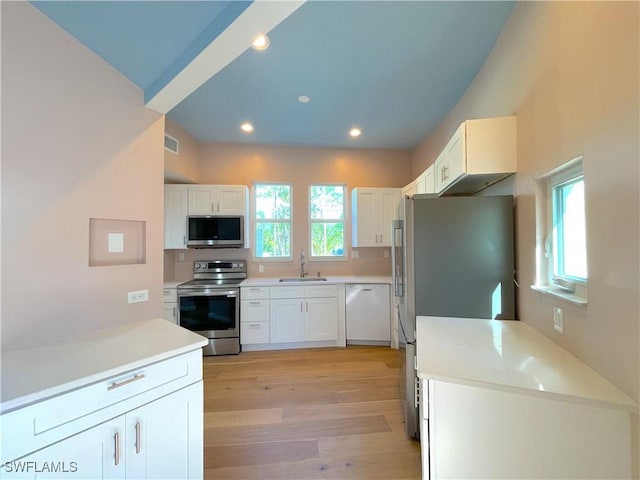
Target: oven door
<point>211,312</point>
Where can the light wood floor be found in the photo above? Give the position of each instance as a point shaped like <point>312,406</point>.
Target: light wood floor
<point>312,413</point>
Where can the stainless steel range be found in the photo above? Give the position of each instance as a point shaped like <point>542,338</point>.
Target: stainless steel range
<point>210,304</point>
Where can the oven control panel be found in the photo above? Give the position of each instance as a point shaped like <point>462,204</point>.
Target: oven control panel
<point>219,266</point>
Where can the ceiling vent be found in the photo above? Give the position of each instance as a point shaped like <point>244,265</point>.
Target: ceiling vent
<point>171,144</point>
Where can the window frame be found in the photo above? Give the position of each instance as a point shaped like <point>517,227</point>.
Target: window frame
<point>255,220</point>
<point>570,288</point>
<point>343,220</point>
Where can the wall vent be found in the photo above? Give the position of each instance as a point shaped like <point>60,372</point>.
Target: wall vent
<point>171,144</point>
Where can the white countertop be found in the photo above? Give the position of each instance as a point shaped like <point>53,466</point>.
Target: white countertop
<point>172,284</point>
<point>275,281</point>
<point>34,374</point>
<point>509,356</point>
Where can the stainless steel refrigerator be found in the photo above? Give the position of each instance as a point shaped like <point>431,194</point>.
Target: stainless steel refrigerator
<point>452,257</point>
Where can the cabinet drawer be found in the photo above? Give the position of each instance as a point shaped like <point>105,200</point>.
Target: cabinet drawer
<point>321,291</point>
<point>170,295</point>
<point>254,292</point>
<point>51,420</point>
<point>254,311</point>
<point>287,292</point>
<point>254,332</point>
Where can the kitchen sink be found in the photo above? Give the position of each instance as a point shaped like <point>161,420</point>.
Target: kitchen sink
<point>304,279</point>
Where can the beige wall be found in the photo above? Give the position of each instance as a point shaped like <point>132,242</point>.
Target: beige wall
<point>184,167</point>
<point>300,166</point>
<point>569,71</point>
<point>77,143</point>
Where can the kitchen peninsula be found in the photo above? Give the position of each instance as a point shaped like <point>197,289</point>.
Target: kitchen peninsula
<point>500,400</point>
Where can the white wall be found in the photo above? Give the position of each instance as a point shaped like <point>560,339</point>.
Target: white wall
<point>77,143</point>
<point>570,72</point>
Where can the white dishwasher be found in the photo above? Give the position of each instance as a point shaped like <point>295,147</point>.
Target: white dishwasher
<point>368,315</point>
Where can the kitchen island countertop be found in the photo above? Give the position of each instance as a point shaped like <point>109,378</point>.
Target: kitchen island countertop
<point>33,374</point>
<point>510,356</point>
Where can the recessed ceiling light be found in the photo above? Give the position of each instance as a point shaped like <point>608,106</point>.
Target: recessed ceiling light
<point>303,99</point>
<point>246,127</point>
<point>261,42</point>
<point>355,132</point>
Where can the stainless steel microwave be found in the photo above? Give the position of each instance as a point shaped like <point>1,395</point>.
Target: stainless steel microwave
<point>215,231</point>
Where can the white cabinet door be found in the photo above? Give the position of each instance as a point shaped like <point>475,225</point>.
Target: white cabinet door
<point>429,180</point>
<point>373,211</point>
<point>456,156</point>
<point>158,436</point>
<point>97,453</point>
<point>252,333</point>
<point>170,312</point>
<point>365,228</point>
<point>218,200</point>
<point>231,200</point>
<point>175,216</point>
<point>202,199</point>
<point>389,200</point>
<point>287,320</point>
<point>321,319</point>
<point>421,184</point>
<point>254,321</point>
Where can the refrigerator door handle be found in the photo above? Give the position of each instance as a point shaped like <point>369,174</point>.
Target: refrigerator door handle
<point>397,258</point>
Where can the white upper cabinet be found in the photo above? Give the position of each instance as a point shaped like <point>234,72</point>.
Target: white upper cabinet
<point>425,183</point>
<point>175,216</point>
<point>373,210</point>
<point>218,200</point>
<point>409,190</point>
<point>480,153</point>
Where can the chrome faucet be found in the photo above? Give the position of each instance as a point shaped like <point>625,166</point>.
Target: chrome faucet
<point>302,262</point>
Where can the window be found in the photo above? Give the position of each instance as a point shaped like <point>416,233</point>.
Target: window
<point>272,221</point>
<point>562,268</point>
<point>326,219</point>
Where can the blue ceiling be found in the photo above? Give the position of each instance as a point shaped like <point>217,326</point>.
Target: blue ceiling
<point>392,68</point>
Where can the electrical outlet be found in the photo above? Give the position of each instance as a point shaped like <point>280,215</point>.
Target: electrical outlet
<point>386,253</point>
<point>260,268</point>
<point>181,256</point>
<point>355,254</point>
<point>138,296</point>
<point>558,320</point>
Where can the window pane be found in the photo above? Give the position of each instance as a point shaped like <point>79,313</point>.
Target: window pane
<point>327,239</point>
<point>273,201</point>
<point>569,231</point>
<point>273,239</point>
<point>327,202</point>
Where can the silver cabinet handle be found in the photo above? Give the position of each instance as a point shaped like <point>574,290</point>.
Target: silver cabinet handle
<point>174,312</point>
<point>184,240</point>
<point>138,428</point>
<point>218,208</point>
<point>135,378</point>
<point>213,206</point>
<point>254,324</point>
<point>254,303</point>
<point>301,307</point>
<point>116,450</point>
<point>307,306</point>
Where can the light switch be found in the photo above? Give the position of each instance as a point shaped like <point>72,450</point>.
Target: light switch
<point>116,242</point>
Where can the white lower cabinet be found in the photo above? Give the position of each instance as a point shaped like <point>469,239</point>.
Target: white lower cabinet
<point>287,320</point>
<point>150,442</point>
<point>321,320</point>
<point>170,305</point>
<point>88,455</point>
<point>478,433</point>
<point>306,314</point>
<point>254,315</point>
<point>140,424</point>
